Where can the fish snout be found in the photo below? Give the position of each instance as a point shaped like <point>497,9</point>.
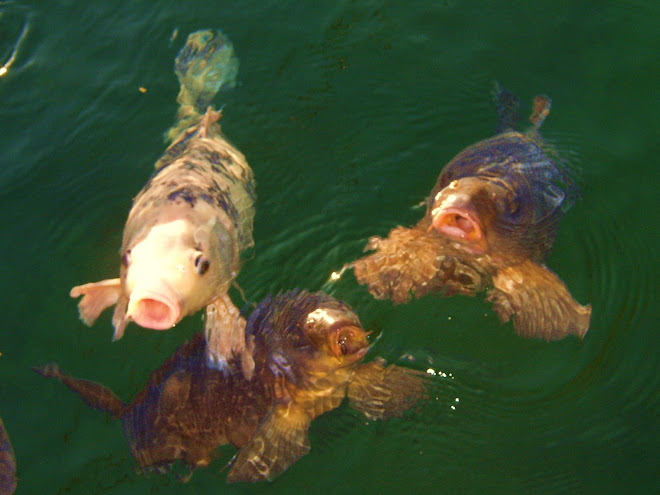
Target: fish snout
<point>156,309</point>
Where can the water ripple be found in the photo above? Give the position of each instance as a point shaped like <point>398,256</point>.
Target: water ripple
<point>15,22</point>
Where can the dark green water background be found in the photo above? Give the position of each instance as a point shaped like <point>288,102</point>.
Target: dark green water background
<point>346,111</point>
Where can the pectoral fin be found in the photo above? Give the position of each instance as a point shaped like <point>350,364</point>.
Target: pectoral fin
<point>225,336</point>
<point>97,296</point>
<point>405,264</point>
<point>119,318</point>
<point>539,302</point>
<point>381,392</point>
<point>279,441</point>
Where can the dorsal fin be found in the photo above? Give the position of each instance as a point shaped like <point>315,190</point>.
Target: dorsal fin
<point>209,118</point>
<point>540,110</point>
<point>507,109</point>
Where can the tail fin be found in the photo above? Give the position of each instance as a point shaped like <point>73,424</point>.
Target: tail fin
<point>540,110</point>
<point>93,394</point>
<point>204,66</point>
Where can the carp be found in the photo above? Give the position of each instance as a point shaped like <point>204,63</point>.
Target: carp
<point>490,221</point>
<point>190,223</point>
<point>307,353</point>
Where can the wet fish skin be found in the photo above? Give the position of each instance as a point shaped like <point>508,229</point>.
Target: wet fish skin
<point>490,221</point>
<point>307,353</point>
<point>7,463</point>
<point>190,224</point>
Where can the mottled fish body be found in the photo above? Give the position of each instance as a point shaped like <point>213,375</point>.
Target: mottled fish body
<point>193,219</point>
<point>490,221</point>
<point>307,353</point>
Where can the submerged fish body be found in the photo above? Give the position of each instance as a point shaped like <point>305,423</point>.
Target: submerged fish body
<point>7,463</point>
<point>490,221</point>
<point>307,353</point>
<point>191,222</point>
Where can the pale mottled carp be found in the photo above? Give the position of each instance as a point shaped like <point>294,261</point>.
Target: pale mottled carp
<point>490,221</point>
<point>192,220</point>
<point>307,352</point>
<point>7,463</point>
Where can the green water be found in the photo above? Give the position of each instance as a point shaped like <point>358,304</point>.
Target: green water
<point>346,111</point>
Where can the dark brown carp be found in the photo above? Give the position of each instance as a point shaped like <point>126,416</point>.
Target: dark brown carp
<point>191,222</point>
<point>490,221</point>
<point>307,353</point>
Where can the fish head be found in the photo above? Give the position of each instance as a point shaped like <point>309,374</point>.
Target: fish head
<point>172,271</point>
<point>302,335</point>
<point>468,211</point>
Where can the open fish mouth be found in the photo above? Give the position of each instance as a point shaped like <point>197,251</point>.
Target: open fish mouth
<point>348,342</point>
<point>154,309</point>
<point>461,225</point>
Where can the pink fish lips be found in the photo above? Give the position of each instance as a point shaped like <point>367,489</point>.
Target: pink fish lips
<point>154,309</point>
<point>460,225</point>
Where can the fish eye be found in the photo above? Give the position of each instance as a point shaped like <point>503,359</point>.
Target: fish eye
<point>126,258</point>
<point>202,264</point>
<point>341,342</point>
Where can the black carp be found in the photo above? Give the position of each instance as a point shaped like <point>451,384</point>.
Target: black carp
<point>307,353</point>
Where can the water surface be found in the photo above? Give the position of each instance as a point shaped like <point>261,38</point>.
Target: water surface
<point>346,111</point>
